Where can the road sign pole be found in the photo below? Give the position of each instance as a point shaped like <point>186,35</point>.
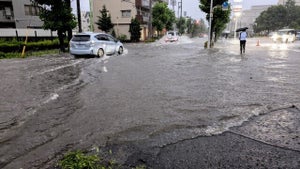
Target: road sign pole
<point>210,20</point>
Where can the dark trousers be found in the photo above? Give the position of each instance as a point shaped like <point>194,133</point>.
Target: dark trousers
<point>242,46</point>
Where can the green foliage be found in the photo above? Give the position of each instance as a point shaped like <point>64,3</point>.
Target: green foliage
<point>113,33</point>
<point>181,25</point>
<point>162,16</point>
<point>220,17</point>
<point>278,17</point>
<point>122,37</point>
<point>104,22</point>
<point>10,55</point>
<point>16,46</point>
<point>135,30</point>
<point>57,15</point>
<point>78,160</point>
<point>198,27</point>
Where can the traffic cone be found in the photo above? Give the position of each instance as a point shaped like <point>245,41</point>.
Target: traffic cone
<point>257,43</point>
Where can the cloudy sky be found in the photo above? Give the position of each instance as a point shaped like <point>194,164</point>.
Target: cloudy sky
<point>191,6</point>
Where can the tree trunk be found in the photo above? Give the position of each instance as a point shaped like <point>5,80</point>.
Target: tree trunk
<point>61,36</point>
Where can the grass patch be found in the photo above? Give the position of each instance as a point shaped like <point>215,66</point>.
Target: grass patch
<point>79,160</point>
<point>11,55</point>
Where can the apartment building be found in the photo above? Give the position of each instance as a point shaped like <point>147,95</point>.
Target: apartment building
<point>19,14</point>
<point>122,11</point>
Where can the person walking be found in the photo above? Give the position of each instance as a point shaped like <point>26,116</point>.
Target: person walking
<point>243,38</point>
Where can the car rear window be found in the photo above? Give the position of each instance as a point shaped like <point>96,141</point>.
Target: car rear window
<point>171,33</point>
<point>81,38</point>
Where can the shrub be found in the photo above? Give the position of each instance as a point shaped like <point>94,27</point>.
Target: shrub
<point>17,46</point>
<point>77,160</point>
<point>122,37</point>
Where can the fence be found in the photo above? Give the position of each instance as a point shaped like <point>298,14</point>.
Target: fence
<point>20,33</point>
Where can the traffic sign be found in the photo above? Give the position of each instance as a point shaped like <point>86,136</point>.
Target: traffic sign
<point>225,5</point>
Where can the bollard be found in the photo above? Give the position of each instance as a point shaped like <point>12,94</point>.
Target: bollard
<point>257,43</point>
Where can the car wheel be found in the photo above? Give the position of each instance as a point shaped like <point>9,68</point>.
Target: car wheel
<point>100,53</point>
<point>120,51</point>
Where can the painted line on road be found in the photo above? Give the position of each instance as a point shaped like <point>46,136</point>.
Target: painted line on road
<point>59,67</point>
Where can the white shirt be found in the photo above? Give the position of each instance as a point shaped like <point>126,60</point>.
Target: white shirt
<point>243,35</point>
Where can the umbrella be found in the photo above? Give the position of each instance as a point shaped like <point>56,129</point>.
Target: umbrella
<point>241,29</point>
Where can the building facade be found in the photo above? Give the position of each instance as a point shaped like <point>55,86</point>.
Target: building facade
<point>121,12</point>
<point>249,16</point>
<point>19,14</point>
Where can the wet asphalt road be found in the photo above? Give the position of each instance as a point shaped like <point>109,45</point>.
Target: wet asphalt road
<point>171,105</point>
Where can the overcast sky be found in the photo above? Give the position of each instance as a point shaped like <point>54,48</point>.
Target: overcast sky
<point>191,7</point>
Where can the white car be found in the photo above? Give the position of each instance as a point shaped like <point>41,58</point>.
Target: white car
<point>96,44</point>
<point>284,36</point>
<point>172,36</point>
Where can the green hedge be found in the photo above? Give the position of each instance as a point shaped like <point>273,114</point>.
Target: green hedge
<point>17,46</point>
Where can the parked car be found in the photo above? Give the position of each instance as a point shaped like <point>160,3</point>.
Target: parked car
<point>96,44</point>
<point>172,36</point>
<point>284,36</point>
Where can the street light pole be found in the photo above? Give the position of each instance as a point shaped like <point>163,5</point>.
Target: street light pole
<point>210,20</point>
<point>150,21</point>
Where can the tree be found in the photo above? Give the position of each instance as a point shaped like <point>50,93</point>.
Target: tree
<point>57,16</point>
<point>198,27</point>
<point>135,30</point>
<point>278,17</point>
<point>220,17</point>
<point>181,25</point>
<point>189,25</point>
<point>162,17</point>
<point>272,19</point>
<point>104,22</point>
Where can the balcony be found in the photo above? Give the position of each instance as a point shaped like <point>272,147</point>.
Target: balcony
<point>144,19</point>
<point>142,4</point>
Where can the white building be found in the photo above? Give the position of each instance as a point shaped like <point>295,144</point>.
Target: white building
<point>85,22</point>
<point>249,16</point>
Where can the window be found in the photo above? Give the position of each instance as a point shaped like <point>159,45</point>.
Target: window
<point>81,38</point>
<point>31,10</point>
<point>102,37</point>
<point>126,13</point>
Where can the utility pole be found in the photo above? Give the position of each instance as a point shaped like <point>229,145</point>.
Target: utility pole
<point>79,15</point>
<point>210,20</point>
<point>91,16</point>
<point>150,21</point>
<point>181,9</point>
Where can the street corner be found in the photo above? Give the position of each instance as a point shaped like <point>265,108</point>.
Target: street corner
<point>279,127</point>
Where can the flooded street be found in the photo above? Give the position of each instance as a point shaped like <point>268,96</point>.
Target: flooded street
<point>156,96</point>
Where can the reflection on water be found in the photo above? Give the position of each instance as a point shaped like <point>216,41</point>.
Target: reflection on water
<point>279,50</point>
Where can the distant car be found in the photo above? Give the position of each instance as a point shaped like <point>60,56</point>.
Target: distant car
<point>298,35</point>
<point>284,36</point>
<point>172,36</point>
<point>95,44</point>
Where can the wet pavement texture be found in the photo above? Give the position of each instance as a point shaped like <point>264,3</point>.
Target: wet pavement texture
<point>166,105</point>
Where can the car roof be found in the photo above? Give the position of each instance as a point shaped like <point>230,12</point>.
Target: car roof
<point>90,33</point>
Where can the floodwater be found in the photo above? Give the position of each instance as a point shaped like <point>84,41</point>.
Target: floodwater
<point>163,92</point>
